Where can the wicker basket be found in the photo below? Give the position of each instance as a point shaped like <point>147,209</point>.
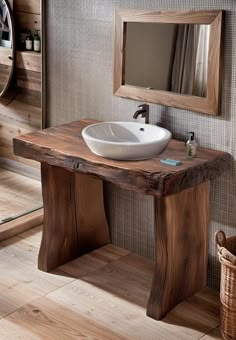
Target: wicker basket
<point>227,256</point>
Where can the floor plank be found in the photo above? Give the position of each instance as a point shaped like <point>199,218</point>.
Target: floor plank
<point>213,335</point>
<point>102,295</point>
<point>50,321</point>
<point>116,295</point>
<point>21,282</point>
<point>18,194</point>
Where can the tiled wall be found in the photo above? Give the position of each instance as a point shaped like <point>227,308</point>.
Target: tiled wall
<point>80,58</point>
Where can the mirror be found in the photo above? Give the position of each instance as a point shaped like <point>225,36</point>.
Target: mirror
<point>7,46</point>
<point>170,58</point>
<point>167,57</point>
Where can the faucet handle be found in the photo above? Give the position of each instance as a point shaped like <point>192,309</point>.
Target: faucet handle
<point>143,105</point>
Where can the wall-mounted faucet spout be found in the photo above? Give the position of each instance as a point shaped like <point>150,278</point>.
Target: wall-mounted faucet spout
<point>144,111</point>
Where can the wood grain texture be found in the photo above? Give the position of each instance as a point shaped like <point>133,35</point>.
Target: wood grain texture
<point>64,146</point>
<point>175,17</point>
<point>6,152</point>
<point>90,217</point>
<point>37,305</point>
<point>5,72</point>
<point>5,89</point>
<point>70,231</point>
<point>28,6</point>
<point>21,114</point>
<point>29,98</point>
<point>20,225</point>
<point>28,21</point>
<point>24,107</point>
<point>8,131</point>
<point>20,168</point>
<point>18,195</point>
<point>181,225</point>
<point>5,53</point>
<point>119,47</point>
<point>69,304</point>
<point>29,79</point>
<point>29,61</point>
<point>210,104</point>
<point>181,243</point>
<point>213,335</point>
<point>21,282</point>
<point>214,66</point>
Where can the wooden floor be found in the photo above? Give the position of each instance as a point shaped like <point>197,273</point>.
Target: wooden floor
<point>18,194</point>
<point>102,295</point>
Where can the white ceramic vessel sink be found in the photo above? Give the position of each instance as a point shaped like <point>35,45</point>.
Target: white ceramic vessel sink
<point>126,140</point>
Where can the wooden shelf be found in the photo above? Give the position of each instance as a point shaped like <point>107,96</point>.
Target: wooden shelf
<point>28,52</point>
<point>29,60</point>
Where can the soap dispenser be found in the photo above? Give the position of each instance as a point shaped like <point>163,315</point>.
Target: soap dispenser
<point>191,146</point>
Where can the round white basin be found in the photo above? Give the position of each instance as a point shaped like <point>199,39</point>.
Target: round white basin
<point>126,140</point>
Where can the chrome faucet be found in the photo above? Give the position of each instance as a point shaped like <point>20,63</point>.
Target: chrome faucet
<point>144,111</point>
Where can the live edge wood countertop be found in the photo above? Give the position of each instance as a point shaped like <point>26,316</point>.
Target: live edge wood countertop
<point>63,146</point>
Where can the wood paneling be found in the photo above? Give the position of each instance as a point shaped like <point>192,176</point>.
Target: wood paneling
<point>9,131</point>
<point>30,61</point>
<point>23,110</point>
<point>5,72</point>
<point>28,21</point>
<point>19,113</point>
<point>28,79</point>
<point>27,6</point>
<point>6,151</point>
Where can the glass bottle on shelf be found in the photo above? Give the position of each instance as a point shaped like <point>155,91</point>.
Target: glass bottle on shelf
<point>29,42</point>
<point>37,42</point>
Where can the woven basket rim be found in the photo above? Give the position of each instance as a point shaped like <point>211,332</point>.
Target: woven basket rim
<point>225,255</point>
<point>226,262</point>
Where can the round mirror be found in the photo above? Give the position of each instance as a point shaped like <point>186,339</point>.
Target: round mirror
<point>7,46</point>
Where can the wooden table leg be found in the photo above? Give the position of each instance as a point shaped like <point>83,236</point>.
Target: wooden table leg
<point>74,216</point>
<point>181,241</point>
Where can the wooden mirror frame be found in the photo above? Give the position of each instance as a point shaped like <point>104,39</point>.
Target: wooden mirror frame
<point>209,104</point>
<point>12,57</point>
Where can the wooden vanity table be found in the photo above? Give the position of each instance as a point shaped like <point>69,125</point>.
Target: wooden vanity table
<point>74,216</point>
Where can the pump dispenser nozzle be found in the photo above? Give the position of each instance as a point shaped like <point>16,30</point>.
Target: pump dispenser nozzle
<point>191,135</point>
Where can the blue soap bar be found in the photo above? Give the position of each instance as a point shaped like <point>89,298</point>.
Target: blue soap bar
<point>172,162</point>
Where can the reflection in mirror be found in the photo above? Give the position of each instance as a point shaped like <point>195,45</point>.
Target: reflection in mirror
<point>167,57</point>
<point>6,46</point>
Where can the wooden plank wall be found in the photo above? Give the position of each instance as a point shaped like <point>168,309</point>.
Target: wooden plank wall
<point>21,111</point>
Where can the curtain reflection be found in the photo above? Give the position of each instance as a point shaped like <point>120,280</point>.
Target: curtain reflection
<point>168,57</point>
<point>200,79</point>
<point>189,74</point>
